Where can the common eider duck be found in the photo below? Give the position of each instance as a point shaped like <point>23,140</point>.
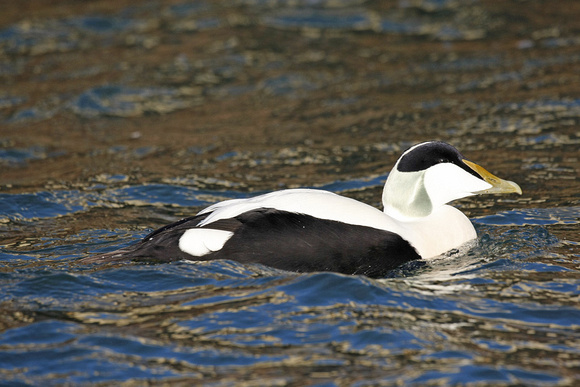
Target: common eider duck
<point>307,230</point>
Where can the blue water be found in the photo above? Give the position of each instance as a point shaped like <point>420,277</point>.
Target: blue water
<point>332,89</point>
<point>503,311</point>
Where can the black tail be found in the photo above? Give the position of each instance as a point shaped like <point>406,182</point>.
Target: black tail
<point>161,245</point>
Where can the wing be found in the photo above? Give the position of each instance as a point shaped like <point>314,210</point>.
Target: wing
<point>317,203</point>
<point>303,243</point>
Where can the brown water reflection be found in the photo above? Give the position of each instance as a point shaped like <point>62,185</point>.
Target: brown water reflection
<point>252,95</point>
<point>296,104</point>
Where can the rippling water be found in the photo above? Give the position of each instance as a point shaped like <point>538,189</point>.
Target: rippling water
<point>504,311</point>
<point>115,120</point>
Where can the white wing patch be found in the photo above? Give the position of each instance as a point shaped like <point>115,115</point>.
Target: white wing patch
<point>201,241</point>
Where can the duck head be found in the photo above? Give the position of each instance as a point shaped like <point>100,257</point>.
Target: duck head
<point>430,175</point>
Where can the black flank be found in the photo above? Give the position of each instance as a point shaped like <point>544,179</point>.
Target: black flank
<point>303,243</point>
<point>283,240</point>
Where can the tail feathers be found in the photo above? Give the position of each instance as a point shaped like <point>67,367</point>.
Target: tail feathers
<point>111,257</point>
<point>159,246</point>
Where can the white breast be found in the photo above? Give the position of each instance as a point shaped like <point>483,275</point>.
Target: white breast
<point>444,229</point>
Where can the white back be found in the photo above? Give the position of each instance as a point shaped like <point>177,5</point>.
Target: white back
<point>317,203</point>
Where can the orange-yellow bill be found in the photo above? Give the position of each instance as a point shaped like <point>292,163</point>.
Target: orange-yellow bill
<point>498,185</point>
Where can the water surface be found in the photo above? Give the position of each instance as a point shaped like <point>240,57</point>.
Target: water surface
<point>119,118</point>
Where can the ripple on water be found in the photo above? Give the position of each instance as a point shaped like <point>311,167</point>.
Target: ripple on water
<point>104,194</point>
<point>8,101</point>
<point>117,101</point>
<point>122,101</point>
<point>287,84</point>
<point>118,320</point>
<point>319,18</point>
<point>35,37</point>
<point>13,157</point>
<point>533,216</point>
<point>403,21</point>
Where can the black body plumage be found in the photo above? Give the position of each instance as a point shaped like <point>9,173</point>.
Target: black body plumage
<point>283,240</point>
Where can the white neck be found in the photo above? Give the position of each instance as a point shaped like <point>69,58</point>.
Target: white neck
<point>404,195</point>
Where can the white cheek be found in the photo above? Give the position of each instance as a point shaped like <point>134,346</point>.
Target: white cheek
<point>202,241</point>
<point>446,182</point>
